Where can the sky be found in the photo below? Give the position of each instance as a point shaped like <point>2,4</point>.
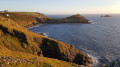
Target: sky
<point>63,6</point>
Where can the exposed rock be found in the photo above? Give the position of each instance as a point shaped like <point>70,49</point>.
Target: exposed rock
<point>1,33</point>
<point>106,16</point>
<point>8,60</point>
<point>104,65</point>
<point>65,52</point>
<point>115,63</point>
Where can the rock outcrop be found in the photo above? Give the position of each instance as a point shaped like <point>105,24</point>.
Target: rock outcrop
<point>115,63</point>
<point>106,16</point>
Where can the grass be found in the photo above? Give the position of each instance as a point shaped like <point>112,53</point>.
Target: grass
<point>39,62</point>
<point>21,18</point>
<point>35,14</point>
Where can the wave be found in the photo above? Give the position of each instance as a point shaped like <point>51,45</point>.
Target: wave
<point>43,34</point>
<point>95,60</point>
<point>92,22</point>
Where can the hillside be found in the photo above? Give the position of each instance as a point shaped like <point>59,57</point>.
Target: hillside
<point>26,19</point>
<point>35,14</point>
<point>10,58</point>
<point>16,38</point>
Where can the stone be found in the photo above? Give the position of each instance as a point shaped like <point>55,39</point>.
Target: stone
<point>115,63</point>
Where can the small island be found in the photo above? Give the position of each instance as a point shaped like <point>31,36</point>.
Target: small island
<point>106,16</point>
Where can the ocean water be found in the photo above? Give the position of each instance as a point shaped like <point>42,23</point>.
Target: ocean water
<point>100,39</point>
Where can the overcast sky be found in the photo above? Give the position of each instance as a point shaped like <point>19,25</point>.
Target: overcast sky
<point>63,6</point>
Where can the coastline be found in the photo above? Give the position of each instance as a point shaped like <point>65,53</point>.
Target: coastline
<point>94,59</point>
<point>60,50</point>
<point>38,24</point>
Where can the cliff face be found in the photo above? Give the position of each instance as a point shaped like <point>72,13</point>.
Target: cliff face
<point>17,38</point>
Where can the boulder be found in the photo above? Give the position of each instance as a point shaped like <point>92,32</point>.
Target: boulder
<point>115,63</point>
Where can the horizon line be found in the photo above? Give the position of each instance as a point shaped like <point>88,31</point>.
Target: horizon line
<point>58,13</point>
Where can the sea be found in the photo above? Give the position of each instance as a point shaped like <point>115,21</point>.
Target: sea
<point>100,39</point>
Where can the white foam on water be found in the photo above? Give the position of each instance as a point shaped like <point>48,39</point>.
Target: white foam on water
<point>44,34</point>
<point>92,22</point>
<point>95,60</point>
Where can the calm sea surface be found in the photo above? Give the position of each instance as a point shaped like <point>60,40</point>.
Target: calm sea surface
<point>101,39</point>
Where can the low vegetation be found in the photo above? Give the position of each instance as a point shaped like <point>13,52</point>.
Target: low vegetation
<point>10,58</point>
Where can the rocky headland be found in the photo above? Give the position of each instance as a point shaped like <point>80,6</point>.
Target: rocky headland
<point>72,19</point>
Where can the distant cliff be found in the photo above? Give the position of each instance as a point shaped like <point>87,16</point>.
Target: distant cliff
<point>17,39</point>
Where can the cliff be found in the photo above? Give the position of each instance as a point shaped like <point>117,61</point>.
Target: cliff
<point>17,39</point>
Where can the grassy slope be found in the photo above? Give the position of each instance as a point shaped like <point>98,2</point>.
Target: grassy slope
<point>25,18</point>
<point>17,38</point>
<point>35,14</point>
<point>40,61</point>
<point>11,46</point>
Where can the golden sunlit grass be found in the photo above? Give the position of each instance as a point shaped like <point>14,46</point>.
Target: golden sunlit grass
<point>16,50</point>
<point>40,61</point>
<point>35,14</point>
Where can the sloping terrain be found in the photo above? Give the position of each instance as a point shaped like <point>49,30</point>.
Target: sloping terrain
<point>26,19</point>
<point>16,38</point>
<point>10,58</point>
